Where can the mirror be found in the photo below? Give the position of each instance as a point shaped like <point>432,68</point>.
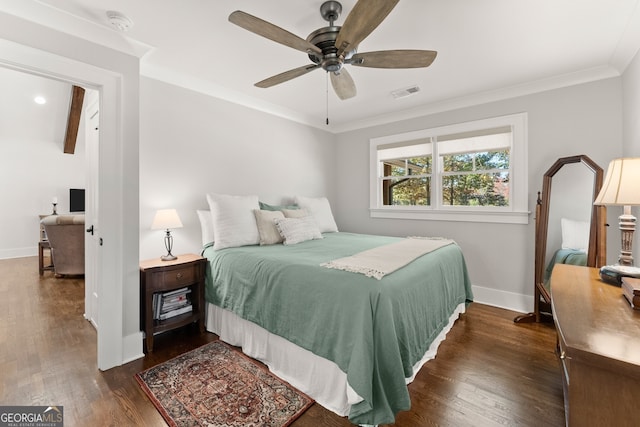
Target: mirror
<point>569,228</point>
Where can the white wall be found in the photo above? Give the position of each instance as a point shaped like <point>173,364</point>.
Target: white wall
<point>583,119</point>
<point>192,144</point>
<point>33,166</point>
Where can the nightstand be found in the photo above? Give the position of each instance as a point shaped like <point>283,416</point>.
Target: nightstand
<point>161,277</point>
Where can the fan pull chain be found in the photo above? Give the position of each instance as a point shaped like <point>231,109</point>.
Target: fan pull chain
<point>327,92</point>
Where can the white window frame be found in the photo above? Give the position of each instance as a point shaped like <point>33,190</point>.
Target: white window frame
<point>516,213</point>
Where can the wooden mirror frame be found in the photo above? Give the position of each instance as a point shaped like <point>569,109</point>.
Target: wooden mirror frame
<point>596,255</point>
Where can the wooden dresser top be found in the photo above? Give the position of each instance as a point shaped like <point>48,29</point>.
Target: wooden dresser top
<point>594,320</point>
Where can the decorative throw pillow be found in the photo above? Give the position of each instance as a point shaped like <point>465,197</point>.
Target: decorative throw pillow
<point>297,230</point>
<point>268,207</point>
<point>206,226</point>
<point>318,208</point>
<point>234,223</point>
<point>265,219</point>
<point>575,234</point>
<point>295,213</point>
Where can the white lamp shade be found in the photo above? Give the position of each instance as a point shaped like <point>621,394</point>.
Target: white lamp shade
<point>621,186</point>
<point>166,219</point>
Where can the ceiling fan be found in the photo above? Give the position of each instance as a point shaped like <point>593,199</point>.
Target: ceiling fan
<point>332,47</point>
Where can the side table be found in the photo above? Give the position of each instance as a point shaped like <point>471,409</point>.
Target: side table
<point>157,276</point>
<point>42,245</point>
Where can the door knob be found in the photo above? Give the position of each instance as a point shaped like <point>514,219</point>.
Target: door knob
<point>90,230</point>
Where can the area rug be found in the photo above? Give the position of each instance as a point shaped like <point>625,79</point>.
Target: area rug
<point>216,385</point>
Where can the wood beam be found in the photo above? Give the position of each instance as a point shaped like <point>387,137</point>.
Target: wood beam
<point>73,122</point>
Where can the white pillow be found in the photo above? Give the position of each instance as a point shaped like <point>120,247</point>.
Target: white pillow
<point>269,234</point>
<point>233,221</point>
<point>318,208</point>
<point>294,213</point>
<point>206,226</point>
<point>575,234</point>
<point>297,230</point>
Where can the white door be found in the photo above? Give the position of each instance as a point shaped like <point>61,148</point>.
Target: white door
<point>92,241</point>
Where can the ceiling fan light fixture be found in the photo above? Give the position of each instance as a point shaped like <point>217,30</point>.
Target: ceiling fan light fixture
<point>404,92</point>
<point>330,48</point>
<point>119,21</point>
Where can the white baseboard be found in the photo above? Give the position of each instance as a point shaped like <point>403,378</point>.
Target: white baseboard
<point>18,252</point>
<point>503,299</point>
<point>132,347</point>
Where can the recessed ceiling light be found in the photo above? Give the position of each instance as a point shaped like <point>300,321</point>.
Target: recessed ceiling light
<point>40,100</point>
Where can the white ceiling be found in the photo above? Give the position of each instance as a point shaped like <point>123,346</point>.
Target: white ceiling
<point>487,50</point>
<point>22,118</point>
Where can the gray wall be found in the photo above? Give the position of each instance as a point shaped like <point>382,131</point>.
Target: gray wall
<point>197,144</point>
<point>193,144</point>
<point>631,130</point>
<point>582,119</point>
<point>631,108</point>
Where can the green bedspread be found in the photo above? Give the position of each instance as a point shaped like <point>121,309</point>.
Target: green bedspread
<point>374,330</point>
<point>563,256</point>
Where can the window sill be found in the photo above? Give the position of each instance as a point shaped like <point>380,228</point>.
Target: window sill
<point>451,215</point>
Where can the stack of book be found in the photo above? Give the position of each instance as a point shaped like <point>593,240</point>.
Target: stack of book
<point>170,304</point>
<point>631,291</point>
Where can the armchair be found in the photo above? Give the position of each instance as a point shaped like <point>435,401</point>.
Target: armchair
<point>66,237</point>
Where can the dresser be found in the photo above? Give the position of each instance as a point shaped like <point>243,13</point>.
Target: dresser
<point>599,347</point>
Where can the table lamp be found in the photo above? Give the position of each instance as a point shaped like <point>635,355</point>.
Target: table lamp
<point>166,219</point>
<point>621,187</point>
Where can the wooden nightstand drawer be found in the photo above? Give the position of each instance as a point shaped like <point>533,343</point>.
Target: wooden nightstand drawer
<point>176,277</point>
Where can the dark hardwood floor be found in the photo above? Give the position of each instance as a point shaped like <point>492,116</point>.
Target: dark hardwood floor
<point>488,372</point>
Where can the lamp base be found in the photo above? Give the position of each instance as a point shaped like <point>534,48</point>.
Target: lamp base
<point>627,224</point>
<point>168,243</point>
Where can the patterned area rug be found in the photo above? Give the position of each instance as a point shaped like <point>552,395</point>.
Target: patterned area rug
<point>215,385</point>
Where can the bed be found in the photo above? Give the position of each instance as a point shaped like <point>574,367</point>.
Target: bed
<point>350,341</point>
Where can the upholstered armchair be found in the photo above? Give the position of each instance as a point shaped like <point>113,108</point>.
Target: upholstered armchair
<point>66,237</point>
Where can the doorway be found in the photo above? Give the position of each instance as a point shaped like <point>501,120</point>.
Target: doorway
<point>119,229</point>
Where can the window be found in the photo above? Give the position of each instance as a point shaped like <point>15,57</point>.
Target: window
<point>474,171</point>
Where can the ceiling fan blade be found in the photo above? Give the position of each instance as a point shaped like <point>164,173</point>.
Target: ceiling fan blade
<point>394,59</point>
<point>365,16</point>
<point>343,85</point>
<point>272,32</point>
<point>286,76</point>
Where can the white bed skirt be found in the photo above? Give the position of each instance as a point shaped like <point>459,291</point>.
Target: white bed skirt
<point>316,376</point>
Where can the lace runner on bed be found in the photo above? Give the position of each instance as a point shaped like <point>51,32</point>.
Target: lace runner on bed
<point>383,260</point>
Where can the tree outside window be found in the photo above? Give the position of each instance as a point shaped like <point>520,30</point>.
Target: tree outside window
<point>476,179</point>
<point>407,182</point>
<point>473,171</point>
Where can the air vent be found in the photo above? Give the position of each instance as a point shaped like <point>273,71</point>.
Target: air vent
<point>407,91</point>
